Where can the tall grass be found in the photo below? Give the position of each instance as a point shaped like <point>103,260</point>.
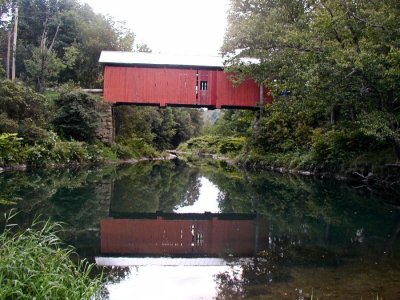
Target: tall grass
<point>33,265</point>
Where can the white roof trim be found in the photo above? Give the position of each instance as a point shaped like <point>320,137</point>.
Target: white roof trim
<point>140,58</point>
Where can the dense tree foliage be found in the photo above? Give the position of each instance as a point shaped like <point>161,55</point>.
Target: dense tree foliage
<point>164,128</point>
<point>332,67</point>
<point>154,187</point>
<point>58,47</point>
<point>77,117</point>
<point>24,112</point>
<point>61,41</point>
<point>234,122</point>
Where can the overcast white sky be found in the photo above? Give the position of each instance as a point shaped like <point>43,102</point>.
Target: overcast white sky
<point>192,27</point>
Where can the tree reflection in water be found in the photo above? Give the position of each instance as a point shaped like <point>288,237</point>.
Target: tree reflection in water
<point>260,274</point>
<point>150,187</point>
<point>315,227</point>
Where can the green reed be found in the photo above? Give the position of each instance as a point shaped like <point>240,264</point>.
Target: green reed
<point>33,265</point>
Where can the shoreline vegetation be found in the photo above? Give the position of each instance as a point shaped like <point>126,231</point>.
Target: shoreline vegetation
<point>23,167</point>
<point>333,73</point>
<point>376,170</point>
<point>61,129</point>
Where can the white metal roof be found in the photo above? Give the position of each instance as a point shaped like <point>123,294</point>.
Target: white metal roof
<point>140,58</point>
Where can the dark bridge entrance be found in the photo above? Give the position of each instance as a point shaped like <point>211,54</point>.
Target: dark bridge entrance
<point>194,81</point>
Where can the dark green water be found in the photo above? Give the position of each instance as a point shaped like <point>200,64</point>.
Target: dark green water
<point>325,240</point>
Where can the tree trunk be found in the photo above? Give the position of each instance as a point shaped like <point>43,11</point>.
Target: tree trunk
<point>9,55</point>
<point>14,53</point>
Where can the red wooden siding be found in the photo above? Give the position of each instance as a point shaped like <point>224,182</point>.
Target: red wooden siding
<point>246,94</point>
<point>177,86</point>
<point>179,237</point>
<point>149,85</point>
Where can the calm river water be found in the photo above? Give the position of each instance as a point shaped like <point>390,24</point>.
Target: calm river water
<point>166,230</point>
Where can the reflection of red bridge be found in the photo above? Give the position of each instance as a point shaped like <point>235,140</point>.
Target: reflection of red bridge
<point>209,235</point>
<point>152,79</point>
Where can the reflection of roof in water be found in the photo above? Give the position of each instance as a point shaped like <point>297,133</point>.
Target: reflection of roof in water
<point>164,261</point>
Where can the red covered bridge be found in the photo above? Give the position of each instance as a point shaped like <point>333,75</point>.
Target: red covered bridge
<point>194,81</point>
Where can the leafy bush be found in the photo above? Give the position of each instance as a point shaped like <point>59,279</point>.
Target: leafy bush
<point>205,144</point>
<point>213,144</point>
<point>234,123</point>
<point>10,148</point>
<point>103,151</point>
<point>63,153</point>
<point>31,133</point>
<point>33,265</point>
<point>8,125</point>
<point>20,102</point>
<point>77,117</point>
<point>232,145</point>
<point>23,111</point>
<point>343,144</point>
<point>286,126</point>
<point>134,148</point>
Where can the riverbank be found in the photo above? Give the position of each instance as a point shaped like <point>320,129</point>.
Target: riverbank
<point>57,153</point>
<point>378,170</point>
<point>371,170</point>
<point>388,180</point>
<point>23,167</point>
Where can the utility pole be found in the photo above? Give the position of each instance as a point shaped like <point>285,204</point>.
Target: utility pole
<point>15,33</point>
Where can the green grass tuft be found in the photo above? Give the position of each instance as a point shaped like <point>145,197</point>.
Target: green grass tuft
<point>33,265</point>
